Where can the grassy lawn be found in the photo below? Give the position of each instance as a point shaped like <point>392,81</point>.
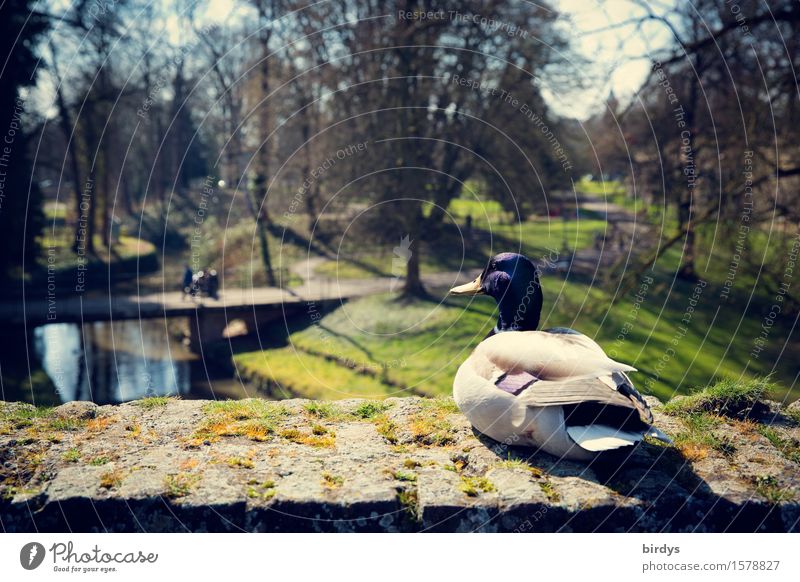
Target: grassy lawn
<point>294,372</point>
<point>538,239</point>
<point>481,211</point>
<point>376,347</point>
<point>607,188</point>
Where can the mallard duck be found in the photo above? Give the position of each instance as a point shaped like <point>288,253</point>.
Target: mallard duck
<point>554,389</point>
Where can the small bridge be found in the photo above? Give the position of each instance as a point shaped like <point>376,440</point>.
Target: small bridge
<point>253,307</point>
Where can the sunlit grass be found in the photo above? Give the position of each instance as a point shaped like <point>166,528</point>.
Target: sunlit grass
<point>728,397</point>
<point>541,239</point>
<point>290,372</point>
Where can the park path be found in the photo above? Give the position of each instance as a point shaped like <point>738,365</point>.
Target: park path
<point>617,242</point>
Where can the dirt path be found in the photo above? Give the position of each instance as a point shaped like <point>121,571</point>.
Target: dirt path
<point>616,243</point>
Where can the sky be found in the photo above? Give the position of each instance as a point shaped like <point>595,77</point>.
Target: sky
<point>614,54</point>
<point>616,57</point>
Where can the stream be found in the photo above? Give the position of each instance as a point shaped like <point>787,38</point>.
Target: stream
<point>112,362</point>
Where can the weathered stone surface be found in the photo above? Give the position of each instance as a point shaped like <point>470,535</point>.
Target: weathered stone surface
<point>77,410</point>
<point>415,466</point>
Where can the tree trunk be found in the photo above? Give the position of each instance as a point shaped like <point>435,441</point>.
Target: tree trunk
<point>310,195</point>
<point>90,188</point>
<point>262,222</point>
<point>105,205</point>
<point>413,285</point>
<point>260,183</point>
<point>686,223</point>
<point>686,199</point>
<point>65,124</point>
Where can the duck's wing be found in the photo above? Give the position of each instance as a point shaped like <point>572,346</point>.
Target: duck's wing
<point>546,369</point>
<point>600,412</point>
<point>614,389</point>
<point>563,369</point>
<point>546,356</point>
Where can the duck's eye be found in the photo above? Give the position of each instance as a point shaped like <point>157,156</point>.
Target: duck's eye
<point>497,281</point>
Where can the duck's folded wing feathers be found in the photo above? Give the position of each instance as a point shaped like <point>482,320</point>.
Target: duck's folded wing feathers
<point>614,389</point>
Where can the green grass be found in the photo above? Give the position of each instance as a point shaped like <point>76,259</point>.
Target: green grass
<point>481,210</point>
<point>255,419</point>
<point>727,397</point>
<point>401,475</point>
<point>387,428</point>
<point>715,245</point>
<point>39,422</point>
<point>14,417</point>
<point>177,485</point>
<point>72,455</point>
<point>474,486</point>
<point>376,347</point>
<point>768,486</point>
<point>766,247</point>
<point>430,426</point>
<point>549,491</point>
<point>404,349</point>
<point>152,402</point>
<point>369,410</point>
<point>788,446</point>
<point>377,264</point>
<point>60,240</point>
<point>540,239</point>
<point>322,410</point>
<point>615,192</point>
<point>264,490</point>
<point>611,190</point>
<point>696,441</point>
<point>319,439</point>
<point>291,372</point>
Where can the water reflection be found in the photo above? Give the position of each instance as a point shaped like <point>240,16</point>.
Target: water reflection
<point>109,362</point>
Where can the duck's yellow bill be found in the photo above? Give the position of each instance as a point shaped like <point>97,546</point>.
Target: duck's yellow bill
<point>471,288</point>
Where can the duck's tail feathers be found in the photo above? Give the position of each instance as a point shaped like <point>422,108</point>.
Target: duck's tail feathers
<point>598,437</point>
<point>620,367</point>
<point>658,434</point>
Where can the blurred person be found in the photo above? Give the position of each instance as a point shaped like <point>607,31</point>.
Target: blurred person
<point>187,281</point>
<point>213,284</point>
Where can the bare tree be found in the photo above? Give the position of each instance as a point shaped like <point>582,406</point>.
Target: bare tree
<point>702,115</point>
<point>431,96</point>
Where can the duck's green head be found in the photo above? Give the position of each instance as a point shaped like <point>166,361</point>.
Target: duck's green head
<point>513,281</point>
